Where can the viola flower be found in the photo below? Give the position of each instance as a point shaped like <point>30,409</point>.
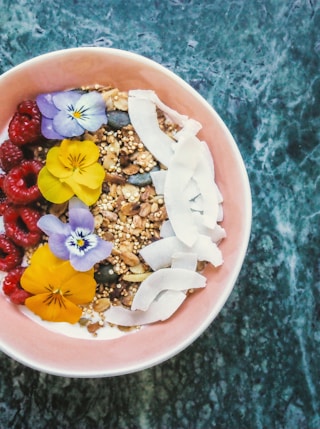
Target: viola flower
<point>72,169</point>
<point>57,288</point>
<point>70,113</point>
<point>75,240</point>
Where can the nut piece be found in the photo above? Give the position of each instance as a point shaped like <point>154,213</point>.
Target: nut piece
<point>101,304</point>
<point>131,169</point>
<point>130,209</point>
<point>93,327</point>
<point>145,209</point>
<point>130,259</point>
<point>110,161</point>
<point>115,178</point>
<point>135,278</point>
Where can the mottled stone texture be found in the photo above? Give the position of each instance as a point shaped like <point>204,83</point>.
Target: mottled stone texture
<point>257,366</point>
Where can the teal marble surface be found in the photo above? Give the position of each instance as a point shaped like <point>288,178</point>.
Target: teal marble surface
<point>257,366</point>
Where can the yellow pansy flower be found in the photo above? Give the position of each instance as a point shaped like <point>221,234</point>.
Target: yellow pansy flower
<point>57,288</point>
<point>72,169</point>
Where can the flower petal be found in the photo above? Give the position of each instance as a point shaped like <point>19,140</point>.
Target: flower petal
<point>76,154</point>
<point>91,176</point>
<point>54,309</point>
<point>92,109</point>
<point>66,100</point>
<point>52,188</point>
<point>35,280</point>
<point>46,105</point>
<point>81,218</point>
<point>93,101</point>
<point>66,125</point>
<point>44,257</point>
<point>82,287</point>
<point>38,275</point>
<point>55,165</point>
<point>87,195</point>
<point>47,129</point>
<point>57,243</point>
<point>93,123</point>
<point>75,203</point>
<point>50,224</point>
<point>89,259</point>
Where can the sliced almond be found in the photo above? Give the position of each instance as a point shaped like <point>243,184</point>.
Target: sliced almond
<point>135,278</point>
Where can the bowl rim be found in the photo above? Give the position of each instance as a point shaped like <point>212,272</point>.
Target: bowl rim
<point>242,250</point>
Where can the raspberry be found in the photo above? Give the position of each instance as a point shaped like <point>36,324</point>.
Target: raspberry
<point>10,155</point>
<point>19,296</point>
<point>10,254</point>
<point>25,126</point>
<point>3,197</point>
<point>20,224</point>
<point>12,280</point>
<point>12,287</point>
<point>20,184</point>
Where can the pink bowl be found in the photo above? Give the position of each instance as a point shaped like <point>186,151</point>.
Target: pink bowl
<point>35,346</point>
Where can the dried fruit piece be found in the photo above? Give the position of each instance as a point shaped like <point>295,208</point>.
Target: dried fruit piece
<point>25,126</point>
<point>118,119</point>
<point>21,225</point>
<point>20,184</point>
<point>10,254</point>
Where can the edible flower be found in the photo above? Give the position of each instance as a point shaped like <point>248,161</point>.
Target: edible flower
<point>72,169</point>
<point>57,288</point>
<point>70,113</point>
<point>75,240</point>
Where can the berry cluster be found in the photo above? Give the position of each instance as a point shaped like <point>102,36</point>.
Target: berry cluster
<point>19,194</point>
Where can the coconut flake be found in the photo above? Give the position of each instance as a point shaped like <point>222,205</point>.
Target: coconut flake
<point>181,169</point>
<point>165,279</point>
<point>207,187</point>
<point>190,125</point>
<point>166,304</point>
<point>216,234</point>
<point>166,229</point>
<point>187,261</point>
<point>158,180</point>
<point>143,116</point>
<point>159,253</point>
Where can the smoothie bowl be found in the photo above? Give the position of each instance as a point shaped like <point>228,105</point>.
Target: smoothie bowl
<point>125,213</point>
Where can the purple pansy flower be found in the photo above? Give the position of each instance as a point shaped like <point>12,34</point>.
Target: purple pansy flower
<point>70,113</point>
<point>75,240</point>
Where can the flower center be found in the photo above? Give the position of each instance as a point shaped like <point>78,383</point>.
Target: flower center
<point>76,114</point>
<point>76,162</point>
<point>79,113</point>
<point>80,241</point>
<point>55,297</point>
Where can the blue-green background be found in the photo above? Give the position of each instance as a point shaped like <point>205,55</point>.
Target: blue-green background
<point>257,366</point>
